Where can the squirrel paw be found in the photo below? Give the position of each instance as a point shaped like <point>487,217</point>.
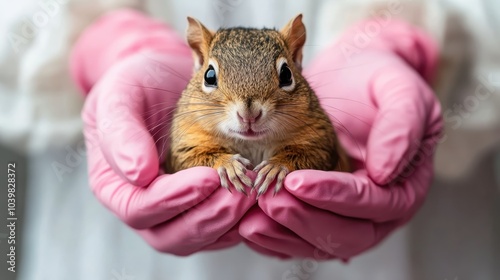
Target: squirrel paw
<point>267,173</point>
<point>233,171</point>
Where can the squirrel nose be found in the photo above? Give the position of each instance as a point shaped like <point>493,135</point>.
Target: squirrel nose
<point>249,117</point>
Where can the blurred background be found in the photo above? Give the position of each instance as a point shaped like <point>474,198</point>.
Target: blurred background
<point>60,232</point>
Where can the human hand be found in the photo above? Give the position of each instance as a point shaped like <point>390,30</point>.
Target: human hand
<point>135,79</point>
<point>389,121</point>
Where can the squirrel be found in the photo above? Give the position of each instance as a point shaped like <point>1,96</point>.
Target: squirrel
<point>248,106</point>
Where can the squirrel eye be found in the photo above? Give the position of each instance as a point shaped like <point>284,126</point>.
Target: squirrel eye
<point>210,77</point>
<point>285,75</point>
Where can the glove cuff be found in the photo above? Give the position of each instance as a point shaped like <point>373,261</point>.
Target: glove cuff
<point>117,35</point>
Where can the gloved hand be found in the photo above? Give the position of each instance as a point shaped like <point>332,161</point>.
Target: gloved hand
<point>373,86</point>
<point>135,69</point>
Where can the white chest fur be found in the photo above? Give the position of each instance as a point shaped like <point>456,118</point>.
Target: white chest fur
<point>255,152</point>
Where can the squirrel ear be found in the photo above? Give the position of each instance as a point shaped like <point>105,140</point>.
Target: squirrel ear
<point>295,36</point>
<point>199,38</point>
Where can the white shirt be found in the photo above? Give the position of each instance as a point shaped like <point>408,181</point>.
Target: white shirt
<point>69,235</point>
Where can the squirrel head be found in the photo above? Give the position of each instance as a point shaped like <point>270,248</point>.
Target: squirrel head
<point>254,73</point>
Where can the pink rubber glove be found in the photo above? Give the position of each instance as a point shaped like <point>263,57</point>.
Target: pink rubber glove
<point>135,69</point>
<point>388,120</point>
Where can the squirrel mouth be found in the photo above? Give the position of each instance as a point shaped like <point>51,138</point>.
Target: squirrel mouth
<point>250,133</point>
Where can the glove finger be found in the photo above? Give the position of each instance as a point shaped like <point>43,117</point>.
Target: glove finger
<point>166,197</point>
<point>340,236</point>
<point>201,225</point>
<point>134,112</point>
<point>229,239</point>
<point>263,232</point>
<point>356,195</point>
<point>264,251</point>
<point>407,114</point>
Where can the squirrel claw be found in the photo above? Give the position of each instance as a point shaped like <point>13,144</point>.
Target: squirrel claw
<point>259,193</point>
<point>269,173</point>
<point>233,172</point>
<point>260,166</point>
<point>223,178</point>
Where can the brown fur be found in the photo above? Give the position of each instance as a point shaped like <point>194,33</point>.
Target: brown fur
<point>247,74</point>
